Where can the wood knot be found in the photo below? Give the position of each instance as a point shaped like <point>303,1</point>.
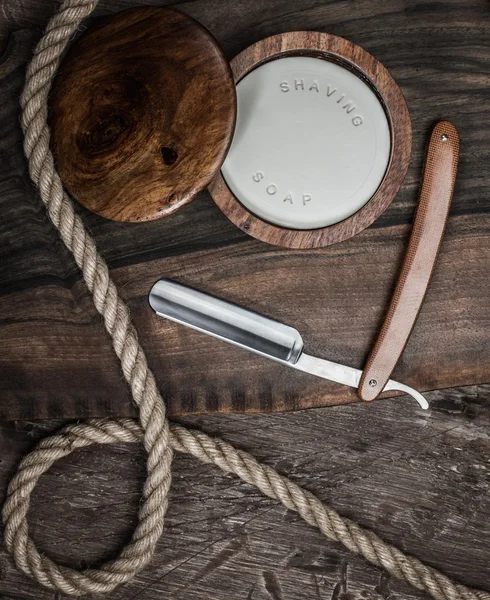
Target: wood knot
<point>169,155</point>
<point>104,133</point>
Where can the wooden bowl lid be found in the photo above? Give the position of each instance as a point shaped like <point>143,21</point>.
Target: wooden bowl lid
<point>142,114</point>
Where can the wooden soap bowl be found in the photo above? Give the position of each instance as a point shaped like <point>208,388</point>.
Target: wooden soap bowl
<point>355,58</point>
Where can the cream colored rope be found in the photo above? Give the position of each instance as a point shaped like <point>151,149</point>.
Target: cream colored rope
<point>153,429</point>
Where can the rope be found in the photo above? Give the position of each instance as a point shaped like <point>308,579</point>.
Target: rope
<point>153,429</point>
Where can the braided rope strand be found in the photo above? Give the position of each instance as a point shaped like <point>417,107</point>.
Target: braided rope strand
<point>137,553</point>
<point>242,464</point>
<point>153,430</point>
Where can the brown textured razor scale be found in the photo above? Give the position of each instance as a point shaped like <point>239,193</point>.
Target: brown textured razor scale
<point>435,198</point>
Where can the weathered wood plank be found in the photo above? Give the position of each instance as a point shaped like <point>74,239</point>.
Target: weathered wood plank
<point>420,480</point>
<point>56,359</point>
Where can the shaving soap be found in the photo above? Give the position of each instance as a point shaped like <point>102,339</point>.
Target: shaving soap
<point>311,144</point>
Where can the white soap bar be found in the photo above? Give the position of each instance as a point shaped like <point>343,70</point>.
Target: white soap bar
<point>311,144</point>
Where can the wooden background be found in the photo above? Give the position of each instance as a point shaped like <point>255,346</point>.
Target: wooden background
<point>56,360</point>
<point>421,480</point>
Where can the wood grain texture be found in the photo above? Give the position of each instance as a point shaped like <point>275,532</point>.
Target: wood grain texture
<point>420,480</point>
<point>142,114</point>
<point>56,360</point>
<point>348,55</point>
<point>440,169</point>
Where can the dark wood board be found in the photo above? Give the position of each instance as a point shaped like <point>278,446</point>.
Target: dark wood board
<point>56,360</point>
<point>420,480</point>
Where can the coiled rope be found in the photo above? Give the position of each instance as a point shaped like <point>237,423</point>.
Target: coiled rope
<point>153,429</point>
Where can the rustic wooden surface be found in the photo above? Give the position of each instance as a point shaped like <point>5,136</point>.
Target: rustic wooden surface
<point>142,113</point>
<point>56,360</point>
<point>346,52</point>
<point>420,480</point>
